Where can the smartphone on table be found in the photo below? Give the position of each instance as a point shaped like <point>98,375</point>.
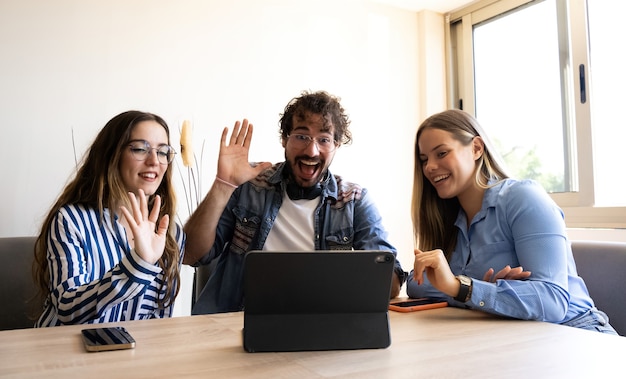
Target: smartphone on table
<point>411,305</point>
<point>109,338</point>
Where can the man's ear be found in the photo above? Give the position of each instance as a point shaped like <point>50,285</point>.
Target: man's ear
<point>478,147</point>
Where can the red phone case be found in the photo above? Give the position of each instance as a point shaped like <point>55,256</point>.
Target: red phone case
<point>429,304</point>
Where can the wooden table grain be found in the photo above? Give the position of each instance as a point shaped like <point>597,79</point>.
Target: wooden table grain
<point>438,343</point>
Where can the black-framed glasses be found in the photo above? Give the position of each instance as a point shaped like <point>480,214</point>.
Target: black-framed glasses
<point>141,149</point>
<point>324,144</point>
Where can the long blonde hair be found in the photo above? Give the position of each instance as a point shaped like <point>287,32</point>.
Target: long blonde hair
<point>434,217</point>
<point>98,185</point>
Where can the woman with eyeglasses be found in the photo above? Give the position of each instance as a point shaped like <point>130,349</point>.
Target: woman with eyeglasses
<point>109,250</point>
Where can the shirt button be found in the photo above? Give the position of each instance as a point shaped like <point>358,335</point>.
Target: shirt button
<point>482,303</point>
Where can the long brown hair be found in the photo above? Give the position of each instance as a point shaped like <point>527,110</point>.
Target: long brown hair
<point>434,217</point>
<point>98,185</point>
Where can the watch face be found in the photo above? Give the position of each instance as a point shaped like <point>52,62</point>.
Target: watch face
<point>465,280</point>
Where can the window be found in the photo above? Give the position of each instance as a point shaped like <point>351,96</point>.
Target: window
<point>607,82</point>
<point>516,68</point>
<point>538,76</point>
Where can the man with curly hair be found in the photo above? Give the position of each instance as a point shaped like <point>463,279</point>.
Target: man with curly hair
<point>292,205</point>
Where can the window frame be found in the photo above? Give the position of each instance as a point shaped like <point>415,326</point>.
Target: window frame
<point>577,205</point>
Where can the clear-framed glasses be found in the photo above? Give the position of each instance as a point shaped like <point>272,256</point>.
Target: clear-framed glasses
<point>141,149</point>
<point>324,144</point>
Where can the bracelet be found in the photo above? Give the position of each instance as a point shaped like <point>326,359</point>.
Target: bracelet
<point>225,182</point>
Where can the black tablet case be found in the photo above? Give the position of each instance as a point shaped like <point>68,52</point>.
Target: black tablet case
<point>317,300</point>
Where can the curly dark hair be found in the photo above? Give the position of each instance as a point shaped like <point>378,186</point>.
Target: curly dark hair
<point>320,102</point>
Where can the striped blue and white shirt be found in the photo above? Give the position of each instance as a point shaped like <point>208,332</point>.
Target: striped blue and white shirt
<point>95,276</point>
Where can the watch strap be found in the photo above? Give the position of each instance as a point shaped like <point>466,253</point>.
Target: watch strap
<point>465,290</point>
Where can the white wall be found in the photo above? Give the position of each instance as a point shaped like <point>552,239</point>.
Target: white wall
<point>68,66</point>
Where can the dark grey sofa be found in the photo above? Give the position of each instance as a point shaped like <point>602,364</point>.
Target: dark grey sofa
<point>16,283</point>
<point>602,265</point>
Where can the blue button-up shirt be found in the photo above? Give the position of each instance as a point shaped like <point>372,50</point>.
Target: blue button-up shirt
<point>517,225</point>
<point>339,224</point>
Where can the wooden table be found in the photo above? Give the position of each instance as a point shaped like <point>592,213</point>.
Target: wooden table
<point>439,343</point>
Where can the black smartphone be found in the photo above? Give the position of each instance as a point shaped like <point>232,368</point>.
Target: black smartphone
<point>412,305</point>
<point>111,338</point>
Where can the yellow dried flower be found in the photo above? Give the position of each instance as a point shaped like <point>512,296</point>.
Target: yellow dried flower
<point>186,146</point>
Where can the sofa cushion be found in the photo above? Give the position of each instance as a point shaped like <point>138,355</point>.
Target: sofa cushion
<point>602,265</point>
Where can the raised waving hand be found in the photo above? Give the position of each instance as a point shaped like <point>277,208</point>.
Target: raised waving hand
<point>149,239</point>
<point>233,166</point>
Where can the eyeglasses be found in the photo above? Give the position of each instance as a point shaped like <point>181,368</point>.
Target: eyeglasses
<point>141,149</point>
<point>324,144</point>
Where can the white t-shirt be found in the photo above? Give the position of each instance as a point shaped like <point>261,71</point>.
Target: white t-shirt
<point>293,229</point>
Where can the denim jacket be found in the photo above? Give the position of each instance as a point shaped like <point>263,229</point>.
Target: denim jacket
<point>346,219</point>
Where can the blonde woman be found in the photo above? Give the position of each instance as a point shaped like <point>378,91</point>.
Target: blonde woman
<point>488,242</point>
